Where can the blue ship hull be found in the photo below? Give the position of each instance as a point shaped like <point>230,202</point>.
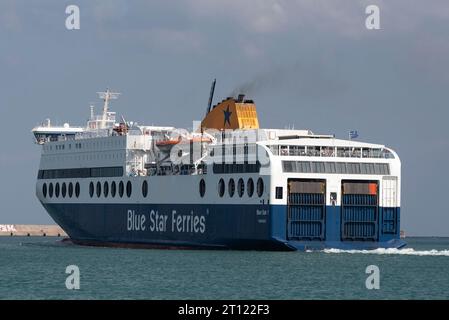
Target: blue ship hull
<point>254,227</point>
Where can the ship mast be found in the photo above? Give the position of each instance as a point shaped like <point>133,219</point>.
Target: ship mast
<point>106,96</point>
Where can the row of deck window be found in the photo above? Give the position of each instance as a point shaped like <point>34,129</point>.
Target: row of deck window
<point>96,172</point>
<point>69,189</point>
<point>87,144</point>
<point>121,189</point>
<point>64,190</point>
<point>240,187</point>
<point>336,167</point>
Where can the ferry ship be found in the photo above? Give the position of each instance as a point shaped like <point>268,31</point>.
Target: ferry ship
<point>226,184</point>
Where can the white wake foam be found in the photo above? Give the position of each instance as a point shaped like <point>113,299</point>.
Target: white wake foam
<point>406,251</point>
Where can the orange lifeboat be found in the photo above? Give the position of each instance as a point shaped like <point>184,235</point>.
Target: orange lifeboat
<point>170,143</point>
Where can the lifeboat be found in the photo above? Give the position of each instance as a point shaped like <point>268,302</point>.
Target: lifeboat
<point>170,143</point>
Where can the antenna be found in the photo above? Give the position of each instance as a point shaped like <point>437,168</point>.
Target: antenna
<point>211,95</point>
<point>106,96</point>
<point>92,114</point>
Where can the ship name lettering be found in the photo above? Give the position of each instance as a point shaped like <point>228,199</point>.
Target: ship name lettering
<point>158,222</point>
<point>188,223</point>
<point>135,221</point>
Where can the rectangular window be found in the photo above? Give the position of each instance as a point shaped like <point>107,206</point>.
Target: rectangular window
<point>288,166</point>
<point>279,192</point>
<point>336,167</point>
<point>220,168</point>
<point>364,168</point>
<point>81,173</point>
<point>329,167</point>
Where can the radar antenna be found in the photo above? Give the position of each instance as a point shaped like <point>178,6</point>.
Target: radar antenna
<point>211,95</point>
<point>106,96</point>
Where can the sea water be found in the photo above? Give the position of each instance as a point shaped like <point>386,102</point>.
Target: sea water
<point>35,268</point>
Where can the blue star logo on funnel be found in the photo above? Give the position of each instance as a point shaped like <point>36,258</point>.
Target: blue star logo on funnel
<point>227,116</point>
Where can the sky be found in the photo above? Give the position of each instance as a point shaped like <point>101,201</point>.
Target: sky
<point>308,64</point>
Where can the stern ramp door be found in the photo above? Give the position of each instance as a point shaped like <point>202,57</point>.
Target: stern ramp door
<point>306,211</point>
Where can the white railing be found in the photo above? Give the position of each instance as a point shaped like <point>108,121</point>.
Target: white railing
<point>325,151</point>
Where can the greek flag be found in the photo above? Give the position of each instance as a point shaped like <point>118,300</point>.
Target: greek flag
<point>353,134</point>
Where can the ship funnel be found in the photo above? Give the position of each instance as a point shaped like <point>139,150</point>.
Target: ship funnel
<point>232,113</point>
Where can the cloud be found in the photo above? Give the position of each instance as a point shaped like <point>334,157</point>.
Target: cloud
<point>280,15</point>
<point>255,16</point>
<point>173,39</point>
<point>9,17</point>
<point>109,10</point>
<point>346,18</point>
<point>271,18</point>
<point>169,40</point>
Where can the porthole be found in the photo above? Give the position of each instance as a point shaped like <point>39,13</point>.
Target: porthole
<point>221,188</point>
<point>77,189</point>
<point>98,189</point>
<point>202,188</point>
<point>129,189</point>
<point>260,187</point>
<point>145,188</point>
<point>231,187</point>
<point>121,189</point>
<point>91,189</point>
<point>57,190</point>
<point>44,190</point>
<point>64,190</point>
<point>113,189</point>
<point>250,187</point>
<point>50,190</point>
<point>241,187</point>
<point>105,189</point>
<point>70,189</point>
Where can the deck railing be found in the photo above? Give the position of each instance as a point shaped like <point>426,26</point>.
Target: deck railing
<point>326,151</point>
